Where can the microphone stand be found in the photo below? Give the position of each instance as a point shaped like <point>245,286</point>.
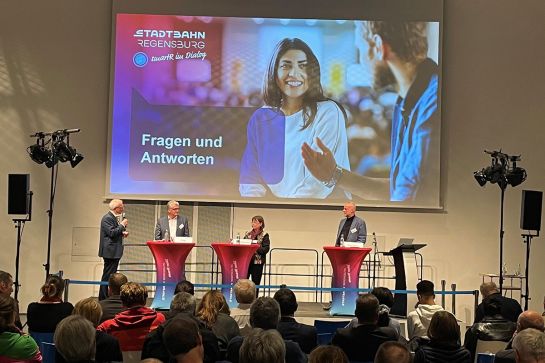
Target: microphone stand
<point>527,240</point>
<point>374,258</point>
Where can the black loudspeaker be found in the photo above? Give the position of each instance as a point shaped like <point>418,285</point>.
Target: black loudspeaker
<point>18,190</point>
<point>530,213</point>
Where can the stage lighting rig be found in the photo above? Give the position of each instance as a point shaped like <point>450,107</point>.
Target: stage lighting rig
<point>50,149</point>
<point>502,171</point>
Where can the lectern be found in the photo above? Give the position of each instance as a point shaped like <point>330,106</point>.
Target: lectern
<point>346,264</point>
<point>234,260</point>
<point>170,266</point>
<point>406,271</point>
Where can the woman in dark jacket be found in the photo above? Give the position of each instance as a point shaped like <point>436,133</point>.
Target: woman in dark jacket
<point>257,233</point>
<point>444,342</point>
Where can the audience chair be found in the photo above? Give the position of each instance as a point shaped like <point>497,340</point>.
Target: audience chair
<point>42,337</point>
<point>48,352</point>
<point>489,346</point>
<point>326,328</point>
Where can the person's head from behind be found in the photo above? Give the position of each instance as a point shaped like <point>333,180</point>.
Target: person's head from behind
<point>185,286</point>
<point>327,354</point>
<point>444,329</point>
<point>212,303</point>
<point>382,42</point>
<point>7,312</point>
<point>384,296</point>
<point>6,283</point>
<point>263,346</point>
<point>75,339</point>
<point>182,340</point>
<point>425,292</point>
<point>393,352</point>
<point>245,291</point>
<point>287,301</point>
<point>183,302</point>
<point>90,309</point>
<point>53,288</point>
<point>530,319</point>
<point>367,309</point>
<point>488,288</point>
<point>529,346</point>
<point>115,282</point>
<point>133,294</point>
<point>265,313</point>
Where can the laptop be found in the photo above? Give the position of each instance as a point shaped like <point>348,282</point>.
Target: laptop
<point>405,241</point>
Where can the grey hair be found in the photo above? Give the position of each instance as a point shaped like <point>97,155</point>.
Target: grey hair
<point>171,204</point>
<point>245,291</point>
<point>75,339</point>
<point>114,203</point>
<point>264,346</point>
<point>183,302</point>
<point>529,345</point>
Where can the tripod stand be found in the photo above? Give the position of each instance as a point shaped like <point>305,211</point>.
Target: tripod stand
<point>527,241</point>
<point>20,225</point>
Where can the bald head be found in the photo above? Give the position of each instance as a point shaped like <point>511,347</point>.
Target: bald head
<point>488,288</point>
<point>530,319</point>
<point>349,209</point>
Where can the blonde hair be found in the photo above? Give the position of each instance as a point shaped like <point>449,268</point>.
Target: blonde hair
<point>212,303</point>
<point>90,309</point>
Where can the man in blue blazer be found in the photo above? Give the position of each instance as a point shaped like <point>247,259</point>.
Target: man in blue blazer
<point>173,222</point>
<point>351,228</point>
<point>112,231</point>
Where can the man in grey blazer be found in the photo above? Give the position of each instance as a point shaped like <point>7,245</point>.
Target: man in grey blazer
<point>177,225</point>
<point>352,228</point>
<point>112,231</point>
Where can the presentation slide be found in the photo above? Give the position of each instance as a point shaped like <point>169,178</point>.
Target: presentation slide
<point>275,110</point>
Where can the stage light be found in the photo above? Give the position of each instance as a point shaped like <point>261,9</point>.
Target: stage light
<point>480,178</point>
<point>516,176</point>
<point>63,151</point>
<point>38,153</point>
<point>76,159</point>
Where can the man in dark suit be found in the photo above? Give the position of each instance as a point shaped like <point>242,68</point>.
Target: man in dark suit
<point>362,342</point>
<point>173,222</point>
<point>351,228</point>
<point>528,319</point>
<point>288,327</point>
<point>113,305</point>
<point>112,231</point>
<point>510,308</point>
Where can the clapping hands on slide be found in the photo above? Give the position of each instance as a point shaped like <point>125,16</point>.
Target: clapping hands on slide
<point>320,164</point>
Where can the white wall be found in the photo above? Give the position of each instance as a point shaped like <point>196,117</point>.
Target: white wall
<point>54,73</point>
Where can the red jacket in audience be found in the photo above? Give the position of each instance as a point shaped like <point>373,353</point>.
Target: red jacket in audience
<point>131,326</point>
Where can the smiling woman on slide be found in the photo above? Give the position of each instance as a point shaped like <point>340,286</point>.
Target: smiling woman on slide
<point>295,111</point>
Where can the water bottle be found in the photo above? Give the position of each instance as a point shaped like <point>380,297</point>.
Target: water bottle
<point>167,236</point>
<point>342,240</point>
<point>238,237</point>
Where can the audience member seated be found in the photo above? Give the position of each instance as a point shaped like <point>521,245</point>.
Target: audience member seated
<point>386,301</point>
<point>132,325</point>
<point>245,295</point>
<point>265,314</point>
<point>112,304</point>
<point>14,345</point>
<point>184,286</point>
<point>304,335</point>
<point>263,346</point>
<point>510,308</point>
<point>75,339</point>
<point>43,316</point>
<point>107,346</point>
<point>182,305</point>
<point>493,327</point>
<point>183,340</point>
<point>444,342</point>
<point>361,343</point>
<point>393,352</point>
<point>6,288</point>
<point>214,312</point>
<point>418,320</point>
<point>328,354</point>
<point>528,319</point>
<point>529,346</point>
